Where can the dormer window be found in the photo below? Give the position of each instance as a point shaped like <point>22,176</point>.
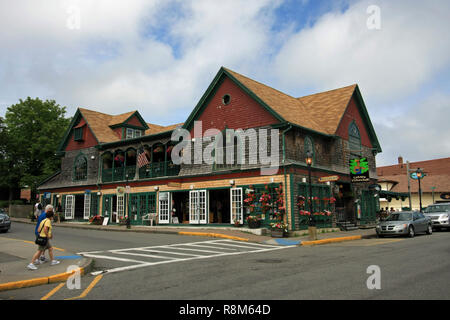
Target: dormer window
<point>132,133</point>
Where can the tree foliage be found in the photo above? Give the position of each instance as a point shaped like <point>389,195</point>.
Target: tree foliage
<point>29,135</point>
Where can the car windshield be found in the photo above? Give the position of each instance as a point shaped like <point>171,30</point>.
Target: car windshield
<point>401,216</point>
<point>441,208</point>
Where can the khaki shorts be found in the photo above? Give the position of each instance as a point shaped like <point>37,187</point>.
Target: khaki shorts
<point>46,247</point>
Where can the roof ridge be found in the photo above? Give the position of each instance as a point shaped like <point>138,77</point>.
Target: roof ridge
<point>260,83</point>
<point>328,91</point>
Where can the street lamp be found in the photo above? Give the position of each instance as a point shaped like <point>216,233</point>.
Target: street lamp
<point>420,175</point>
<point>309,160</point>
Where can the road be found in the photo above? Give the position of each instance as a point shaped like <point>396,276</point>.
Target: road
<point>182,267</point>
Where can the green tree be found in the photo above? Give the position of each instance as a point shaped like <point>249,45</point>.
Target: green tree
<point>33,130</point>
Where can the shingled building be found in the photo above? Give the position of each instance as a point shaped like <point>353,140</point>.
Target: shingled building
<point>122,166</point>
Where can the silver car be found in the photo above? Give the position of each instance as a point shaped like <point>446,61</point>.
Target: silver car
<point>406,223</point>
<point>439,214</point>
<point>5,222</point>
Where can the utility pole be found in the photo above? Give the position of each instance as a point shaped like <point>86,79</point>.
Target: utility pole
<point>409,184</point>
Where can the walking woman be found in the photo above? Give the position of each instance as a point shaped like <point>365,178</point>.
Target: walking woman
<point>44,231</point>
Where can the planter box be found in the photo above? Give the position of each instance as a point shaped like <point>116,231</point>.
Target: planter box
<point>254,224</point>
<point>277,233</point>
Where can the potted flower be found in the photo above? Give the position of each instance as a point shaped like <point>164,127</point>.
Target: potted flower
<point>278,230</point>
<point>249,202</point>
<point>97,220</point>
<point>123,221</point>
<point>237,223</point>
<point>254,222</point>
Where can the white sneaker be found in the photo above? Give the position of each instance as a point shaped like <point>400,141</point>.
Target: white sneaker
<point>36,262</point>
<point>55,262</point>
<point>32,267</point>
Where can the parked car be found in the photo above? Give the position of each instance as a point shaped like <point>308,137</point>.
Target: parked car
<point>407,223</point>
<point>439,214</point>
<point>5,222</point>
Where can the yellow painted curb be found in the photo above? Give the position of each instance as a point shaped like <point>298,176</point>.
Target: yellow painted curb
<point>332,240</point>
<point>213,235</point>
<point>38,281</point>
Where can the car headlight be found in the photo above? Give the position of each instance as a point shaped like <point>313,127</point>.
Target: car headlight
<point>444,216</point>
<point>400,227</point>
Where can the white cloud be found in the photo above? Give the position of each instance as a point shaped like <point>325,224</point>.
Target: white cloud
<point>339,49</point>
<point>418,134</point>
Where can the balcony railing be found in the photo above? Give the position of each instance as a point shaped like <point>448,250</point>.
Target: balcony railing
<point>159,169</point>
<point>154,170</point>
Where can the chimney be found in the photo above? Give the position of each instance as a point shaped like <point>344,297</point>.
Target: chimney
<point>400,160</point>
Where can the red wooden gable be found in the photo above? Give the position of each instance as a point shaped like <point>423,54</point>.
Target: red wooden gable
<point>242,112</point>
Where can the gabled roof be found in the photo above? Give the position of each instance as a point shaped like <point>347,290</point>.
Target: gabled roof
<point>327,108</point>
<point>321,112</point>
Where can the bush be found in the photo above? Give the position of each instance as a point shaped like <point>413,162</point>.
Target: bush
<point>4,204</point>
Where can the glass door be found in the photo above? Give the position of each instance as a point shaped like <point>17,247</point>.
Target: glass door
<point>198,207</point>
<point>164,207</point>
<point>236,206</point>
<point>69,211</point>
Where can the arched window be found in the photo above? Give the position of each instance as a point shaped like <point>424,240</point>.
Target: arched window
<point>309,146</point>
<point>354,139</point>
<point>80,168</point>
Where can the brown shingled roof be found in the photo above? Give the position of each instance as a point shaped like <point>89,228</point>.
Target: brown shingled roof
<point>320,112</point>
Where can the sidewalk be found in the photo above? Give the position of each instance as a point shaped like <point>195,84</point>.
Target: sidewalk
<point>241,234</point>
<point>16,254</point>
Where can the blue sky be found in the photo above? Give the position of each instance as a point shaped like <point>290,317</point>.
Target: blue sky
<point>159,57</point>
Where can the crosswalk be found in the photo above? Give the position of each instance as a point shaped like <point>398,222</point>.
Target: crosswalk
<point>141,257</point>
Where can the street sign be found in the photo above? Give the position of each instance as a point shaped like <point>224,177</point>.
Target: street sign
<point>25,194</point>
<point>328,178</point>
<point>416,177</point>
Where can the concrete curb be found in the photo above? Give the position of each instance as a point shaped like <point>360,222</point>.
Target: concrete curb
<point>213,235</point>
<point>46,280</point>
<point>331,240</point>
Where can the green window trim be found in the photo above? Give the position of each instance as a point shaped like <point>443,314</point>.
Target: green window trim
<point>78,134</point>
<point>354,139</point>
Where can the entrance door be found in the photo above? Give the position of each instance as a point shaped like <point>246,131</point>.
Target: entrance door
<point>69,211</point>
<point>236,206</point>
<point>198,207</point>
<point>164,207</point>
<point>108,207</point>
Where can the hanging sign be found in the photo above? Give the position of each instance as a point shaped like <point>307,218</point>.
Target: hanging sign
<point>25,194</point>
<point>329,178</point>
<point>359,170</point>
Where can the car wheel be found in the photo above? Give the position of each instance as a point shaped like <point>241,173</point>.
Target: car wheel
<point>429,229</point>
<point>411,232</point>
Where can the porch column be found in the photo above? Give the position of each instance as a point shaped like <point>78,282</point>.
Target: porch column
<point>165,160</point>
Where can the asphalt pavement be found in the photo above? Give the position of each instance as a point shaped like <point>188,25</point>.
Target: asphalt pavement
<point>415,268</point>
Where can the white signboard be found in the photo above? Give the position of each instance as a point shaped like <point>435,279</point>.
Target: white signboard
<point>105,221</point>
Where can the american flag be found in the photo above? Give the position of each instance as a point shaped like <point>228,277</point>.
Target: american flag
<point>142,159</point>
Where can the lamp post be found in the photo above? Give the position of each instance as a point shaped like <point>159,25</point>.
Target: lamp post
<point>419,174</point>
<point>312,222</point>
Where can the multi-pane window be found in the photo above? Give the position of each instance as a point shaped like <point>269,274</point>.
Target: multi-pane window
<point>133,133</point>
<point>354,139</point>
<point>80,168</point>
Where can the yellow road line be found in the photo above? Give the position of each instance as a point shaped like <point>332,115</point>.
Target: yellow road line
<point>31,242</point>
<point>213,235</point>
<point>383,242</point>
<point>88,289</point>
<point>48,295</point>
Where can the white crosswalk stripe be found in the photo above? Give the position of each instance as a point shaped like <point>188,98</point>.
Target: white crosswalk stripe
<point>180,252</point>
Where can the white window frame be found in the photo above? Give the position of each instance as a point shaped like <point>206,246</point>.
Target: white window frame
<point>164,208</point>
<point>236,205</point>
<point>198,207</point>
<point>69,209</point>
<point>87,205</point>
<point>129,133</point>
<point>120,206</point>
